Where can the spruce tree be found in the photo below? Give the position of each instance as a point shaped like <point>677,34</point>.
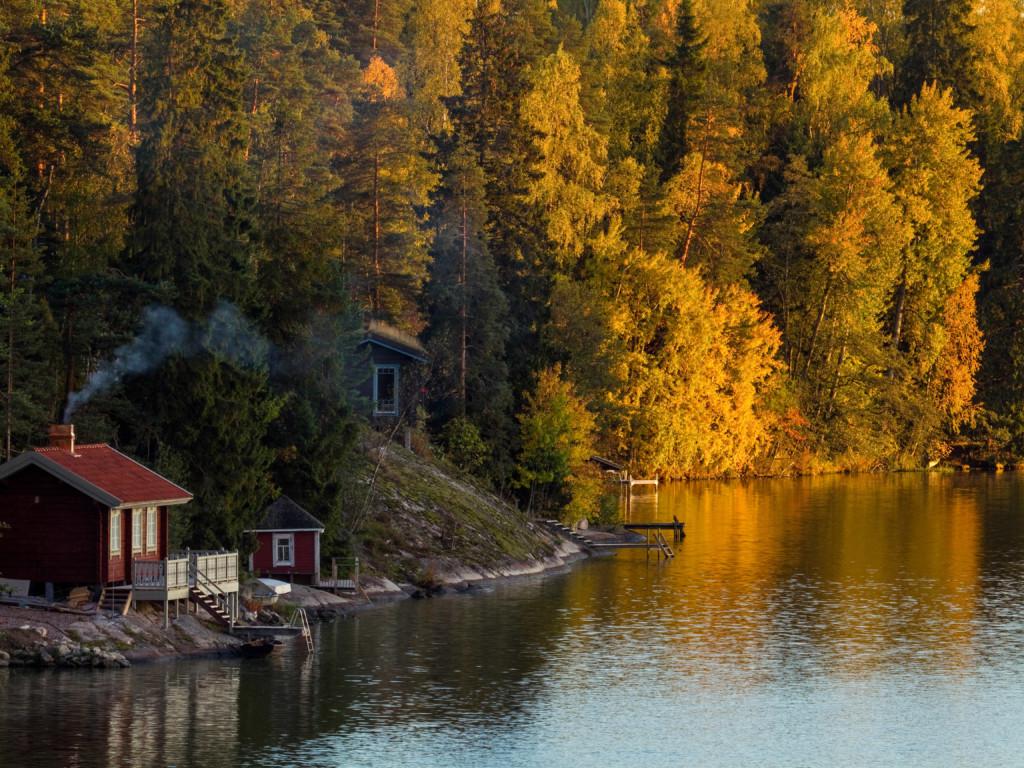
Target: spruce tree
<point>505,40</point>
<point>194,211</point>
<point>939,50</point>
<point>686,68</point>
<point>468,312</point>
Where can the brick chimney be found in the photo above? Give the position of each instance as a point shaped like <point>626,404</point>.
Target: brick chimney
<point>63,436</point>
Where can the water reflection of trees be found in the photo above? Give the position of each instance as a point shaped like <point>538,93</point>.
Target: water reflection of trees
<point>152,715</point>
<point>777,580</point>
<point>455,662</point>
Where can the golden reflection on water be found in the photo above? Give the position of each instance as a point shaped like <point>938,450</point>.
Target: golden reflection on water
<point>842,574</point>
<point>792,605</point>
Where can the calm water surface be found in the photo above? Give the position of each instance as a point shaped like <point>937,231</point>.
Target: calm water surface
<point>865,621</point>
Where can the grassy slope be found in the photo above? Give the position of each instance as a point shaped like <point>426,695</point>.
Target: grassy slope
<point>424,516</point>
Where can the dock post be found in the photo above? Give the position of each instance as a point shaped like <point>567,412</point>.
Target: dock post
<point>167,615</point>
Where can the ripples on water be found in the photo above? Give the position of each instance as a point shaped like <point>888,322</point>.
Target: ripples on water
<point>867,621</point>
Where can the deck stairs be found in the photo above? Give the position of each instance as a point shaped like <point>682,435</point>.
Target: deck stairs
<point>211,605</point>
<point>115,601</point>
<point>569,533</point>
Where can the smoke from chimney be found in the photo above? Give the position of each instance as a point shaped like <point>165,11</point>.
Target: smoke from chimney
<point>227,334</point>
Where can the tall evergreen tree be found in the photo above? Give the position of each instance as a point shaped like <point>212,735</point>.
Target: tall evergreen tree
<point>194,213</point>
<point>504,41</point>
<point>686,69</point>
<point>386,184</point>
<point>468,312</point>
<point>939,49</point>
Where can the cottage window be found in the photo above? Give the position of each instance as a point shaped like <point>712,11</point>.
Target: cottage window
<point>137,515</point>
<point>115,531</point>
<point>284,549</point>
<point>151,514</point>
<point>385,389</point>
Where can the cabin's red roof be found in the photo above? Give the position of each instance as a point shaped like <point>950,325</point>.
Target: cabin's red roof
<point>116,474</point>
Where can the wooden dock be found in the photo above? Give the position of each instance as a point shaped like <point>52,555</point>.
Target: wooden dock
<point>657,542</point>
<point>621,473</point>
<point>678,528</point>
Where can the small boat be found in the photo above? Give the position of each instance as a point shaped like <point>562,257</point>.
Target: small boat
<point>257,649</point>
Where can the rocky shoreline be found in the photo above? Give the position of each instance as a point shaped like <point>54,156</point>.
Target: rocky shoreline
<point>35,637</point>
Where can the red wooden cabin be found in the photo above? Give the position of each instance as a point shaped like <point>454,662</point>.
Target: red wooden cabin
<point>287,543</point>
<point>81,514</point>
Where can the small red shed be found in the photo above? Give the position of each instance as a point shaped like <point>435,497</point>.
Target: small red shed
<point>81,514</point>
<point>287,543</point>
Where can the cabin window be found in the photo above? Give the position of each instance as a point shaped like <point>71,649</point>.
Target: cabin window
<point>284,549</point>
<point>137,515</point>
<point>151,516</point>
<point>115,531</point>
<point>385,389</point>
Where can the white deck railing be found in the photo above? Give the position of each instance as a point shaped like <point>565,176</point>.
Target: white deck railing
<point>160,574</point>
<point>218,568</point>
<point>174,573</point>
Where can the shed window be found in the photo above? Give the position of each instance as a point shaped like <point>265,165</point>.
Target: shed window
<point>385,389</point>
<point>115,531</point>
<point>137,515</point>
<point>151,517</point>
<point>284,549</point>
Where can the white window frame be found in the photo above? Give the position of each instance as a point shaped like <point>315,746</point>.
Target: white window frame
<point>152,536</point>
<point>281,537</point>
<point>138,534</point>
<point>115,532</point>
<point>376,395</point>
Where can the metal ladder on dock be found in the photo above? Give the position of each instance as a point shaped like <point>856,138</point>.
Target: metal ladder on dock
<point>663,545</point>
<point>299,619</point>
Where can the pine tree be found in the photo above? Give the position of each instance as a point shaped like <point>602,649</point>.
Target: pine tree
<point>686,67</point>
<point>386,183</point>
<point>194,212</point>
<point>568,181</point>
<point>468,312</point>
<point>505,40</point>
<point>27,392</point>
<point>939,49</point>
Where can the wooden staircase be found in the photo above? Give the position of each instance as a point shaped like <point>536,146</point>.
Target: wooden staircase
<point>570,534</point>
<point>211,605</point>
<point>114,601</point>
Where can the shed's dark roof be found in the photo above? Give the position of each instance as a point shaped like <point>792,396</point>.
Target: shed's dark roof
<point>285,515</point>
<point>392,338</point>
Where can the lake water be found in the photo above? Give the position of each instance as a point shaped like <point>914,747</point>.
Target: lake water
<point>837,621</point>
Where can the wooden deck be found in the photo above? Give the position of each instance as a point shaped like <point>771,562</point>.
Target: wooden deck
<point>170,579</point>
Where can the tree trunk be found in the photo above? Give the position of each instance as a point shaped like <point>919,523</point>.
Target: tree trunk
<point>817,325</point>
<point>691,225</point>
<point>463,309</point>
<point>376,21</point>
<point>133,75</point>
<point>9,415</point>
<point>377,270</point>
<point>901,304</point>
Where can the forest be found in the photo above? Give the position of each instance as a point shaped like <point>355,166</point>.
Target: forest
<point>701,237</point>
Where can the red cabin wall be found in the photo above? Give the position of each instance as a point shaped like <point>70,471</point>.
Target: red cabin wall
<point>57,539</point>
<point>305,555</point>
